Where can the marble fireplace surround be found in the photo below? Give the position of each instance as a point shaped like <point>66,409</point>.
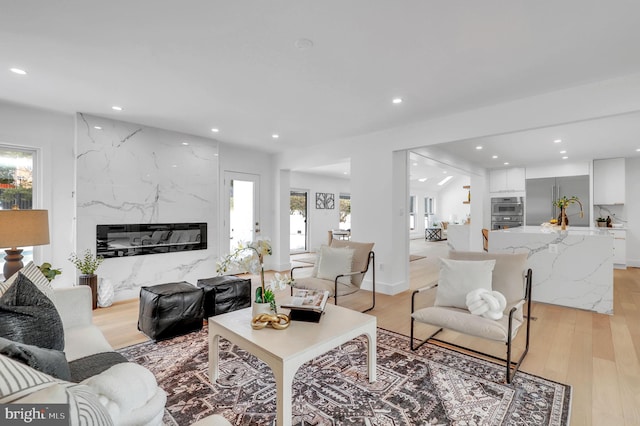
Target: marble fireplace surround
<point>129,173</point>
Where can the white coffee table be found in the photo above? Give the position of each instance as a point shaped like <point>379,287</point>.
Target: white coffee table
<point>286,350</point>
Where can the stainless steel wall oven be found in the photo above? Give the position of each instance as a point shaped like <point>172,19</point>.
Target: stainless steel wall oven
<point>507,212</point>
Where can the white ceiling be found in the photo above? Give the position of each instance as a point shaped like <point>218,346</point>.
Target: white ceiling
<point>240,66</point>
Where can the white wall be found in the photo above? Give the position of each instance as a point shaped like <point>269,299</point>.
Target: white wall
<point>450,201</point>
<point>320,221</point>
<point>52,135</point>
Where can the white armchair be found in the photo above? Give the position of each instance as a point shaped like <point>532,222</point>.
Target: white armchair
<point>510,278</point>
<point>340,269</point>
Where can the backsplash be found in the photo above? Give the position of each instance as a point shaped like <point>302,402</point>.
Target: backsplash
<point>617,213</point>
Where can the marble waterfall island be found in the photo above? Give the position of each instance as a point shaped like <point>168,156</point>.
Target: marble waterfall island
<point>571,268</point>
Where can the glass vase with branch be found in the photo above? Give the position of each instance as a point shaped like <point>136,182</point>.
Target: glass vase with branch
<point>563,203</point>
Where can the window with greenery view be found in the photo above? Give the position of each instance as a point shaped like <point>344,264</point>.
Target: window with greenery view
<point>16,186</point>
<point>345,212</point>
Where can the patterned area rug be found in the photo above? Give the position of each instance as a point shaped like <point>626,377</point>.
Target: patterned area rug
<point>431,386</point>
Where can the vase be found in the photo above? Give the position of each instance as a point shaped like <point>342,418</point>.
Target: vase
<point>261,308</point>
<point>105,293</point>
<point>92,281</point>
<point>563,220</point>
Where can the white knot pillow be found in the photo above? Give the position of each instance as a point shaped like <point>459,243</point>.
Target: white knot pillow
<point>489,304</point>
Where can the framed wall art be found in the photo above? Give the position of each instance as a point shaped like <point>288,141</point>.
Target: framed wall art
<point>325,200</point>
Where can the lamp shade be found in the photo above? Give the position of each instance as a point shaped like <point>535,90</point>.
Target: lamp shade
<point>22,228</point>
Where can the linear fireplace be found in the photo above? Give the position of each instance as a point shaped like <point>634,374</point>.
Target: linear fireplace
<point>139,239</point>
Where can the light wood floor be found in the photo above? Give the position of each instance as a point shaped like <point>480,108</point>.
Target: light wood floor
<point>596,354</point>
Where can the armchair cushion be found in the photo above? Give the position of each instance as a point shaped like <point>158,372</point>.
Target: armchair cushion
<point>462,321</point>
<point>360,257</point>
<point>509,269</point>
<point>314,283</point>
<point>459,277</point>
<point>333,262</point>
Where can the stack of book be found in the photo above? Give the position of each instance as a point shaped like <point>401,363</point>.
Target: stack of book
<point>307,305</point>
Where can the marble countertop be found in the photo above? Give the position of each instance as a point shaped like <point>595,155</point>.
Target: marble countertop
<point>575,230</point>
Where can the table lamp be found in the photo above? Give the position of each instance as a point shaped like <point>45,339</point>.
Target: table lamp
<point>21,228</point>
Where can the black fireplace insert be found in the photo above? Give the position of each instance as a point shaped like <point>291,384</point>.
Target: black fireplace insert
<point>149,238</point>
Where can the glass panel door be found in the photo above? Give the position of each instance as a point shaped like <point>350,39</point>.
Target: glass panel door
<point>243,213</point>
<point>298,221</point>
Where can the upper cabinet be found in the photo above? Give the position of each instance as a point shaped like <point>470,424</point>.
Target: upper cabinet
<point>608,181</point>
<point>506,180</point>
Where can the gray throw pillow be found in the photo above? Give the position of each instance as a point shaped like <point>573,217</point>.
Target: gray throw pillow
<point>28,316</point>
<point>49,361</point>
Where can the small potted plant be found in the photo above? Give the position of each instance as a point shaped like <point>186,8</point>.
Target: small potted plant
<point>87,265</point>
<point>602,222</point>
<point>48,271</point>
<point>250,257</point>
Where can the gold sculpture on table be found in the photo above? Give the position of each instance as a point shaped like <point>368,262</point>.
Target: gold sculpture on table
<point>277,321</point>
<point>563,203</point>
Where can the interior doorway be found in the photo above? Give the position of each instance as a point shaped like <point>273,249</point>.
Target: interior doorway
<point>298,202</point>
<point>242,221</point>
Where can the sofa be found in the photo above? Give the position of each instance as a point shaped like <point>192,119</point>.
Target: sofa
<point>98,383</point>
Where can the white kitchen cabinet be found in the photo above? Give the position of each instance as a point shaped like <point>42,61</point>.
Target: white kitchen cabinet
<point>608,181</point>
<point>506,180</point>
<point>619,248</point>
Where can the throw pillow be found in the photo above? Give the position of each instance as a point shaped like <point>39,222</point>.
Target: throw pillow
<point>28,316</point>
<point>333,262</point>
<point>36,276</point>
<point>459,277</point>
<point>49,361</point>
<point>18,380</point>
<point>21,384</point>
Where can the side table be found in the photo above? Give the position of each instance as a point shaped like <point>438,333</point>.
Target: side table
<point>433,234</point>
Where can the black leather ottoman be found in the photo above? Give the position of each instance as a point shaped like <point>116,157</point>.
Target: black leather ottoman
<point>168,310</point>
<point>225,293</point>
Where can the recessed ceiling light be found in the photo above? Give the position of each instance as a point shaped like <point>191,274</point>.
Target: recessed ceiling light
<point>506,163</point>
<point>345,173</point>
<point>397,100</point>
<point>445,180</point>
<point>565,157</point>
<point>214,130</point>
<point>557,141</point>
<point>422,179</point>
<point>638,149</point>
<point>494,157</point>
<point>18,71</point>
<point>444,172</point>
<point>185,143</point>
<point>116,108</point>
<point>564,151</point>
<point>275,136</point>
<point>97,127</point>
<point>303,43</point>
<point>478,147</point>
<point>174,165</point>
<point>414,164</point>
